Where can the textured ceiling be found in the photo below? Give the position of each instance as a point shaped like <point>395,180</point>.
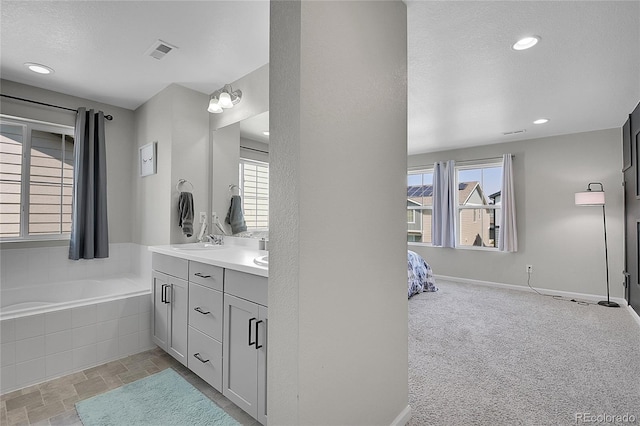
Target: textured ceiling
<point>97,48</point>
<point>466,86</point>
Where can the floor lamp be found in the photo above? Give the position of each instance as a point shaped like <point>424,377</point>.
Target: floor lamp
<point>596,198</point>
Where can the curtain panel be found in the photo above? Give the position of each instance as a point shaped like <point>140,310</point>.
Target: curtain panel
<point>443,224</point>
<point>508,236</point>
<point>89,228</point>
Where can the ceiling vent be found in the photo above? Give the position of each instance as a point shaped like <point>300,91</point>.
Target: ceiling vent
<point>159,49</point>
<point>515,132</point>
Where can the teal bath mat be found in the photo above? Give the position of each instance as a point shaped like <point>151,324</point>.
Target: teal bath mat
<point>164,399</point>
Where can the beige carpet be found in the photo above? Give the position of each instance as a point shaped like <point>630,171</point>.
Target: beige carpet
<point>488,356</point>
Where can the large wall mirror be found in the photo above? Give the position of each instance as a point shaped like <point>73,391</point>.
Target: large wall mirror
<point>240,167</point>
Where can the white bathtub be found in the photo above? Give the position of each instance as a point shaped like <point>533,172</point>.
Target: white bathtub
<point>37,299</point>
<point>53,329</point>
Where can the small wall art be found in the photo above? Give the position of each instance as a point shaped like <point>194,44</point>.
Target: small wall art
<point>148,155</point>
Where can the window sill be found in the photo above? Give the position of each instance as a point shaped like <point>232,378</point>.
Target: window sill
<point>59,240</point>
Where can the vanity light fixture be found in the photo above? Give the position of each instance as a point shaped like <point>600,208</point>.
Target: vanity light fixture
<point>38,68</point>
<point>224,98</point>
<point>525,43</point>
<point>541,121</point>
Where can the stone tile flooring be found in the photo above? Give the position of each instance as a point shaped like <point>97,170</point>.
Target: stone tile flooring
<point>52,403</point>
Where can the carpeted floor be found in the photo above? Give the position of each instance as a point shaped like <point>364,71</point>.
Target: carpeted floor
<point>490,356</point>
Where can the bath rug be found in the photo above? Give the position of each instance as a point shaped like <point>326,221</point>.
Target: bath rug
<point>164,398</point>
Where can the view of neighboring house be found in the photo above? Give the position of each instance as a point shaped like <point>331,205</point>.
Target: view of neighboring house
<point>476,226</point>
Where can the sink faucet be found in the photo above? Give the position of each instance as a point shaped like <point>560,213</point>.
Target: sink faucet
<point>216,239</point>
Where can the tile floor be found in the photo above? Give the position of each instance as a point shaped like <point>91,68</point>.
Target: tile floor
<point>52,403</point>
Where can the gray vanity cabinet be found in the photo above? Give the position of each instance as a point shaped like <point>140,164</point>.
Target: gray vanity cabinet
<point>205,322</point>
<point>245,342</point>
<point>170,303</point>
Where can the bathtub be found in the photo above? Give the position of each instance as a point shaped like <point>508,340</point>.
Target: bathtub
<point>52,329</point>
<point>36,299</point>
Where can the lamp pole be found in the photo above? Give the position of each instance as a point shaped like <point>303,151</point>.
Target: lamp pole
<point>607,302</point>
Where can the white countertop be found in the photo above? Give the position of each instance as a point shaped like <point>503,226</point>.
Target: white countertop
<point>226,256</point>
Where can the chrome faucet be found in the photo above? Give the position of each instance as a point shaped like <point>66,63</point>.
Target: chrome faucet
<point>217,240</point>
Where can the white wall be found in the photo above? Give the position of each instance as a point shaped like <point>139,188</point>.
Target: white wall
<point>119,135</point>
<point>337,312</point>
<point>177,119</point>
<point>564,243</point>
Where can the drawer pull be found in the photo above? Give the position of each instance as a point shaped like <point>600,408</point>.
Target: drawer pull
<point>199,358</point>
<point>258,346</point>
<point>198,309</point>
<point>199,274</point>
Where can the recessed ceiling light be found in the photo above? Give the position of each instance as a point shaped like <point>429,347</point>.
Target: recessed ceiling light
<point>526,43</point>
<point>266,133</point>
<point>541,121</point>
<point>39,68</point>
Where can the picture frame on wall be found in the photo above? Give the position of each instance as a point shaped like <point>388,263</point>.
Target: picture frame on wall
<point>147,159</point>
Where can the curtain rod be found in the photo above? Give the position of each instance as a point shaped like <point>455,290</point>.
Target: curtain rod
<point>253,149</point>
<point>108,117</point>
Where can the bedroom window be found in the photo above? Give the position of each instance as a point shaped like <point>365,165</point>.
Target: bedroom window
<point>419,206</point>
<point>479,204</point>
<point>254,183</point>
<point>36,180</point>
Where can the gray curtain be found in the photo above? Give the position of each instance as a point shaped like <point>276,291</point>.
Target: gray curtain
<point>89,229</point>
<point>443,223</point>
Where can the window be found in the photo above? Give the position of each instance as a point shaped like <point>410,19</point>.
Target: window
<point>36,179</point>
<point>254,183</point>
<point>419,206</point>
<point>479,205</point>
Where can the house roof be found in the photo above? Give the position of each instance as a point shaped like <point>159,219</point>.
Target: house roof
<point>417,193</point>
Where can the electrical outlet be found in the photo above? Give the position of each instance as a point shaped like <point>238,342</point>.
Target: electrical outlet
<point>203,217</point>
<point>529,269</point>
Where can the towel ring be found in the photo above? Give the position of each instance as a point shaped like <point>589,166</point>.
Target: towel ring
<point>182,182</point>
<point>234,186</point>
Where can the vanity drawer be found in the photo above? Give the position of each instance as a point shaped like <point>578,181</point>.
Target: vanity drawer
<point>206,310</point>
<point>206,275</point>
<point>170,265</point>
<point>205,358</point>
<point>247,286</point>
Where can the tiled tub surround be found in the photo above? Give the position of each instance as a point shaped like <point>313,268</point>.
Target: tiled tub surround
<point>91,327</point>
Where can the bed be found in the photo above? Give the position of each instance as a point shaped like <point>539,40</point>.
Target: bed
<point>420,275</point>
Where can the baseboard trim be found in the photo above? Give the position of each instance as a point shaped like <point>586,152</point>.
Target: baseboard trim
<point>634,314</point>
<point>403,418</point>
<point>568,294</point>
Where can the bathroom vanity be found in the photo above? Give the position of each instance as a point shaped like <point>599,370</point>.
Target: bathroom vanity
<point>210,313</point>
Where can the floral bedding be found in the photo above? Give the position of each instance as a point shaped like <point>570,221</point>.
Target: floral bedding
<point>420,275</point>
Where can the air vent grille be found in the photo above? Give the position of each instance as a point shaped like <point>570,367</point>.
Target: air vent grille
<point>514,132</point>
<point>159,49</point>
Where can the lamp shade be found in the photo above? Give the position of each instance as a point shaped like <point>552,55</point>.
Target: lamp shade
<point>590,198</point>
<point>214,107</point>
<point>225,100</point>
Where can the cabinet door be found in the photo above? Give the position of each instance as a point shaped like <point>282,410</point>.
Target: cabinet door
<point>262,363</point>
<point>160,322</point>
<point>240,371</point>
<point>178,308</point>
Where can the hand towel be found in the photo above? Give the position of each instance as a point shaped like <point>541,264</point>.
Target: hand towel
<point>235,218</point>
<point>185,213</point>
